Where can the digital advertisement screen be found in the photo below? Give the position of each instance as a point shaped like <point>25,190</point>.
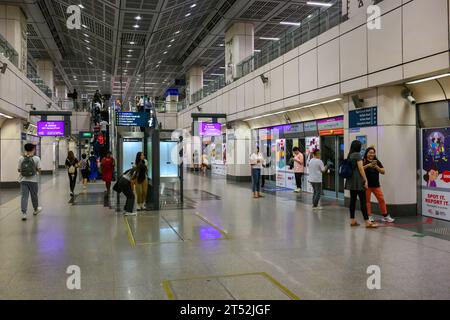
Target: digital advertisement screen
<point>210,129</point>
<point>50,128</point>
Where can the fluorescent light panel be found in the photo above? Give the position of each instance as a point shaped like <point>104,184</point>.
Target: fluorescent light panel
<point>319,4</point>
<point>287,23</point>
<point>5,116</point>
<point>429,78</point>
<point>269,38</point>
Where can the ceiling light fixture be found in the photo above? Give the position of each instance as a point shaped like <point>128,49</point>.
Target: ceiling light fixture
<point>193,6</point>
<point>87,41</point>
<point>88,48</point>
<point>138,18</point>
<point>86,35</point>
<point>287,23</point>
<point>217,74</point>
<point>132,42</point>
<point>165,52</point>
<point>169,46</point>
<point>319,4</point>
<point>84,26</point>
<point>269,38</point>
<point>177,32</point>
<point>5,116</point>
<point>136,26</point>
<point>81,6</point>
<point>257,50</point>
<point>429,78</point>
<point>187,14</point>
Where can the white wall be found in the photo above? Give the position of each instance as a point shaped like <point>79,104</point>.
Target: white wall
<point>413,42</point>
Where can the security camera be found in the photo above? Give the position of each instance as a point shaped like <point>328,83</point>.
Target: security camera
<point>3,68</point>
<point>199,108</point>
<point>357,101</point>
<point>407,94</point>
<point>264,79</point>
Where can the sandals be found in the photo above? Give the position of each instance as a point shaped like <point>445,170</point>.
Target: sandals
<point>355,224</point>
<point>372,226</point>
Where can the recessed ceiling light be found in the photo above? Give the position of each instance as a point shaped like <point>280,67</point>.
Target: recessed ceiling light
<point>88,48</point>
<point>130,50</point>
<point>87,41</point>
<point>221,45</point>
<point>172,40</point>
<point>319,4</point>
<point>84,26</point>
<point>194,5</point>
<point>169,46</point>
<point>138,17</point>
<point>136,26</point>
<point>81,6</point>
<point>310,16</point>
<point>187,14</point>
<point>132,42</point>
<point>257,50</point>
<point>129,55</point>
<point>90,58</point>
<point>86,35</point>
<point>165,52</point>
<point>287,23</point>
<point>159,61</point>
<point>177,32</point>
<point>127,62</point>
<point>221,67</point>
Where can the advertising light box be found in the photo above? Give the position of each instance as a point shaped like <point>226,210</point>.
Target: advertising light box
<point>50,128</point>
<point>210,129</point>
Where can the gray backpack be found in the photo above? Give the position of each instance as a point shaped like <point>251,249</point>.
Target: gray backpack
<point>28,167</point>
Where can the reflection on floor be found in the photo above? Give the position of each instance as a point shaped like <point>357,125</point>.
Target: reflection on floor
<point>224,245</point>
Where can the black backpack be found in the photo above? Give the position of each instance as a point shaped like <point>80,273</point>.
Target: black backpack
<point>28,167</point>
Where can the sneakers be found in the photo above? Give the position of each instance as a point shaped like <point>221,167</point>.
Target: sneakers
<point>388,219</point>
<point>37,211</point>
<point>371,219</point>
<point>130,214</point>
<point>298,190</point>
<point>318,208</point>
<point>24,216</point>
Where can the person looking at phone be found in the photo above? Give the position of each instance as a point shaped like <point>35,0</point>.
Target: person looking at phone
<point>373,168</point>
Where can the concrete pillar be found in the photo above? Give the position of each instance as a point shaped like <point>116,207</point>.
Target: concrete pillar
<point>13,28</point>
<point>61,92</point>
<point>10,151</point>
<point>48,155</point>
<point>45,72</point>
<point>171,103</point>
<point>63,150</point>
<point>239,45</point>
<point>238,152</point>
<point>195,81</point>
<point>395,141</point>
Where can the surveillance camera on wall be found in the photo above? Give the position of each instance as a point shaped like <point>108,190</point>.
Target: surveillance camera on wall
<point>407,94</point>
<point>199,108</point>
<point>357,101</point>
<point>3,68</point>
<point>264,79</point>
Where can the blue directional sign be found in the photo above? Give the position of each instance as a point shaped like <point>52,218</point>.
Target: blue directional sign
<point>360,118</point>
<point>133,119</point>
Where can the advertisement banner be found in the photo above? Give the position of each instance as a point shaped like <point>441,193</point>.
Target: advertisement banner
<point>436,173</point>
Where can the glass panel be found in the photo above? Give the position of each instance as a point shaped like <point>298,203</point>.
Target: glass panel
<point>328,153</point>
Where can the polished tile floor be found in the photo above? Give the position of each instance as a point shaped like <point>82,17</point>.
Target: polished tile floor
<point>223,245</point>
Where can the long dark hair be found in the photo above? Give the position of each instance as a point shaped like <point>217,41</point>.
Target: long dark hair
<point>355,147</point>
<point>71,157</point>
<point>367,152</point>
<point>141,172</point>
<point>138,159</point>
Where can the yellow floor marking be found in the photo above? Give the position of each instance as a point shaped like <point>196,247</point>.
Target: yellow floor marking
<point>286,291</point>
<point>129,232</point>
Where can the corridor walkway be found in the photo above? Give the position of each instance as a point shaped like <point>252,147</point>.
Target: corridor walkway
<point>222,245</point>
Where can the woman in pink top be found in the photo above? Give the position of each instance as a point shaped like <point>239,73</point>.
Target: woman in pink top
<point>299,168</point>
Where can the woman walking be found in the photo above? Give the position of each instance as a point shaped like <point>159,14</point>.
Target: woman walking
<point>72,165</point>
<point>256,162</point>
<point>107,166</point>
<point>141,180</point>
<point>373,168</point>
<point>84,165</point>
<point>357,184</point>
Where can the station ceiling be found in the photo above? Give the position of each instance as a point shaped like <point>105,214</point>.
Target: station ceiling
<point>108,52</point>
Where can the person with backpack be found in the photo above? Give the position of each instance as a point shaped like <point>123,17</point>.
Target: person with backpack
<point>72,165</point>
<point>356,182</point>
<point>316,169</point>
<point>84,165</point>
<point>373,168</point>
<point>107,166</point>
<point>29,167</point>
<point>299,168</point>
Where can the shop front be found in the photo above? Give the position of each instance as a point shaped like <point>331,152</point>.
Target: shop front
<point>276,144</point>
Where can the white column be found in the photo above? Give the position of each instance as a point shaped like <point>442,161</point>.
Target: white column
<point>10,151</point>
<point>45,72</point>
<point>195,81</point>
<point>239,45</point>
<point>63,149</point>
<point>61,92</point>
<point>238,152</point>
<point>48,154</point>
<point>171,103</point>
<point>13,27</point>
<point>395,141</point>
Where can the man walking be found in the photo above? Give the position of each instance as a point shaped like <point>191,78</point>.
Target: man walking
<point>29,167</point>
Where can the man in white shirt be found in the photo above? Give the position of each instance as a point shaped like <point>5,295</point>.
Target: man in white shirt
<point>29,166</point>
<point>316,169</point>
<point>256,162</point>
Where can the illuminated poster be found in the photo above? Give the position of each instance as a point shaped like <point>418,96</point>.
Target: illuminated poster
<point>281,162</point>
<point>436,173</point>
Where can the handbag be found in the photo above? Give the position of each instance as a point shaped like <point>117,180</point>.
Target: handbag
<point>116,186</point>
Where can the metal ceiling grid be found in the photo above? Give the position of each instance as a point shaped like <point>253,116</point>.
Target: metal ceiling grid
<point>259,9</point>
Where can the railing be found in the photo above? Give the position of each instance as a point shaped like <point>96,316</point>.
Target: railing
<point>80,105</point>
<point>317,23</point>
<point>33,76</point>
<point>311,27</point>
<point>167,107</point>
<point>8,51</point>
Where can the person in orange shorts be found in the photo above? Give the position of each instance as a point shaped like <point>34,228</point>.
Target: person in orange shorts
<point>373,168</point>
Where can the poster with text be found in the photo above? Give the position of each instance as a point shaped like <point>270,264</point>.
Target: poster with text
<point>311,144</point>
<point>436,173</point>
